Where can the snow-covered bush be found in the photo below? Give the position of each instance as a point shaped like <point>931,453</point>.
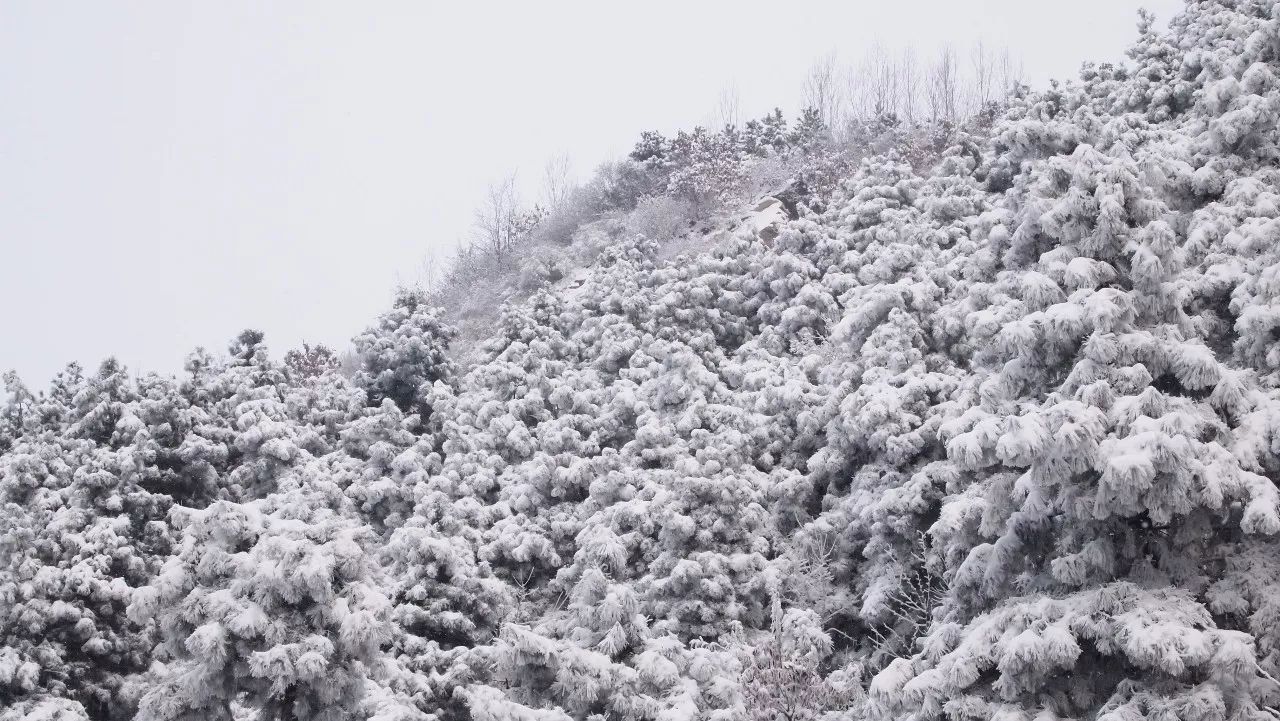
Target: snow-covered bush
<point>661,218</point>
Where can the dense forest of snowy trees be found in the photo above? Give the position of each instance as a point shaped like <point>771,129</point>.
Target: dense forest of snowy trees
<point>989,430</point>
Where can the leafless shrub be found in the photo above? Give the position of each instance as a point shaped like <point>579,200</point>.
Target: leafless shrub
<point>560,222</point>
<point>661,218</point>
<point>310,361</point>
<point>911,607</point>
<point>781,679</point>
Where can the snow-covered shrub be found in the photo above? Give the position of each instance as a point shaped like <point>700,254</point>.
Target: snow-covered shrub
<point>661,218</point>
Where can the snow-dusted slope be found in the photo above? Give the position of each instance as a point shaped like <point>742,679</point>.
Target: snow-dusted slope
<point>991,441</point>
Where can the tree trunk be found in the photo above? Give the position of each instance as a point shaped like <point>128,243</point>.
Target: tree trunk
<point>286,705</point>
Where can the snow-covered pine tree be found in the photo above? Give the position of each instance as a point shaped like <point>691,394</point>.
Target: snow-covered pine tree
<point>274,605</point>
<point>405,353</point>
<point>82,532</point>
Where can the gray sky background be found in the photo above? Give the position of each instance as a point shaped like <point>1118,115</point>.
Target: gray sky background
<point>172,172</point>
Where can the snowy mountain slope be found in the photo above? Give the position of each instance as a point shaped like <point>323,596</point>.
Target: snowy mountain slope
<point>992,440</point>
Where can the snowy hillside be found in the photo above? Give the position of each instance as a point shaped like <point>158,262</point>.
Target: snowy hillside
<point>989,430</point>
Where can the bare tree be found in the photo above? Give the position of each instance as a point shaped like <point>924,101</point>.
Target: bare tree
<point>1012,75</point>
<point>822,89</point>
<point>430,271</point>
<point>880,82</point>
<point>909,84</point>
<point>942,90</point>
<point>856,98</point>
<point>729,107</point>
<point>495,221</point>
<point>557,181</point>
<point>984,71</point>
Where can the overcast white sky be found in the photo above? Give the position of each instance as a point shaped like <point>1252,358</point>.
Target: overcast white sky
<point>172,172</point>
